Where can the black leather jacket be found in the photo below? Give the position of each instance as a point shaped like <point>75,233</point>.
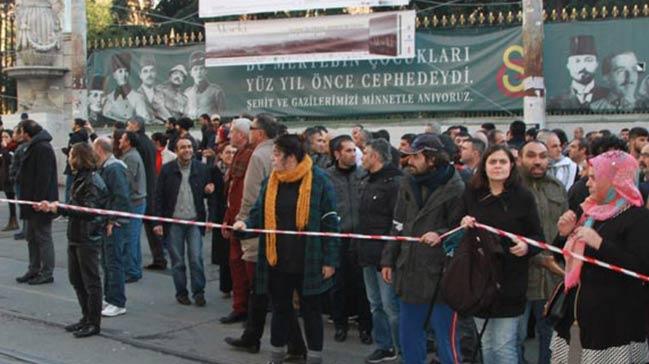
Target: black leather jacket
<point>88,190</point>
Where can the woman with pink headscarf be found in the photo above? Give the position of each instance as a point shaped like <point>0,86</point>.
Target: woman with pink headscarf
<point>606,309</point>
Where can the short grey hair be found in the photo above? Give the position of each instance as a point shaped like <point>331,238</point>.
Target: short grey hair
<point>242,125</point>
<point>545,135</point>
<point>382,148</point>
<point>366,135</point>
<point>104,144</point>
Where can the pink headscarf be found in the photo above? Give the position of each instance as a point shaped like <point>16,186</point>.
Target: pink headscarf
<point>621,170</point>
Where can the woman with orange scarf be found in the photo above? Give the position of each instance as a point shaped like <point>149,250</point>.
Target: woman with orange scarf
<point>607,309</point>
<point>297,196</point>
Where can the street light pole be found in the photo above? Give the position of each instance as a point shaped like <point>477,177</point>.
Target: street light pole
<point>534,99</point>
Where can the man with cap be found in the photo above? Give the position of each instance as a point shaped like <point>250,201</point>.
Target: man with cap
<point>95,99</point>
<point>148,73</point>
<point>123,102</point>
<point>582,64</point>
<point>168,99</point>
<point>203,97</point>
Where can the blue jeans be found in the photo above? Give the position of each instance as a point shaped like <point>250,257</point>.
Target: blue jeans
<point>179,235</point>
<point>413,336</point>
<point>543,329</point>
<point>500,340</point>
<point>384,306</point>
<point>113,265</point>
<point>68,186</point>
<point>132,252</point>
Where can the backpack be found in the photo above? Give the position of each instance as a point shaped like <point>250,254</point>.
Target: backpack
<point>472,280</point>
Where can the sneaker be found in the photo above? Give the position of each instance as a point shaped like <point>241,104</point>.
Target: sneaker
<point>104,304</point>
<point>380,355</point>
<point>112,311</point>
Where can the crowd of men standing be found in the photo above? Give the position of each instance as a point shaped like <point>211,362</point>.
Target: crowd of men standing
<point>250,172</point>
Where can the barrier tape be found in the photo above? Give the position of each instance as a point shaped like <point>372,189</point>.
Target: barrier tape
<point>538,244</point>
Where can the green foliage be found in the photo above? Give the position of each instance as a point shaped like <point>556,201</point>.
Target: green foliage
<point>99,16</point>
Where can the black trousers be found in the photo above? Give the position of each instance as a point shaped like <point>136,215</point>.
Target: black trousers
<point>254,328</point>
<point>12,207</point>
<point>220,255</point>
<point>83,270</point>
<point>281,287</point>
<point>155,244</point>
<point>348,295</point>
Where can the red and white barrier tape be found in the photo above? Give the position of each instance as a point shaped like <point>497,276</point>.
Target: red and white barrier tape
<point>496,231</point>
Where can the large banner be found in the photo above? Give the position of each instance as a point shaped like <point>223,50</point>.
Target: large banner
<point>216,8</point>
<point>589,66</point>
<point>318,39</point>
<point>450,71</point>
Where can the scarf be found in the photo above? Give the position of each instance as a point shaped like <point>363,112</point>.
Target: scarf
<point>431,180</point>
<point>122,91</point>
<point>303,172</point>
<point>621,171</point>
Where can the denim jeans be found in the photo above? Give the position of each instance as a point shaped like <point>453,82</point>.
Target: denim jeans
<point>500,340</point>
<point>413,336</point>
<point>179,236</point>
<point>543,330</point>
<point>113,266</point>
<point>132,252</point>
<point>68,186</point>
<point>384,306</point>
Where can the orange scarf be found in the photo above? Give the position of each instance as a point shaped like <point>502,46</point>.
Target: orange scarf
<point>303,172</point>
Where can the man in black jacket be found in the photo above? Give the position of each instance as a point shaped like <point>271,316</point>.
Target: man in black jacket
<point>37,179</point>
<point>147,151</point>
<point>182,186</point>
<point>378,198</point>
<point>348,293</point>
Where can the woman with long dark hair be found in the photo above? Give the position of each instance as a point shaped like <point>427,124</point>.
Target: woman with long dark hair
<point>85,235</point>
<point>609,309</point>
<point>6,158</point>
<point>496,197</point>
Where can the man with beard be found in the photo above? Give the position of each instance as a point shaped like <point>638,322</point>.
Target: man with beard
<point>644,173</point>
<point>637,140</point>
<point>147,75</point>
<point>123,102</point>
<point>621,72</point>
<point>168,100</point>
<point>582,64</point>
<point>95,99</point>
<point>544,273</point>
<point>203,97</point>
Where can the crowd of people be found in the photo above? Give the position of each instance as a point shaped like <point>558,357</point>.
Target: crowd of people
<point>587,194</point>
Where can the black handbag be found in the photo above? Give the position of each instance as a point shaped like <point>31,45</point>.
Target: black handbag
<point>558,304</point>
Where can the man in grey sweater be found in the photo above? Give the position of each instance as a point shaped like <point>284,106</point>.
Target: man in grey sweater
<point>137,182</point>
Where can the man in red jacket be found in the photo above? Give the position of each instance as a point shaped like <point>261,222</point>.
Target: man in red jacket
<point>234,183</point>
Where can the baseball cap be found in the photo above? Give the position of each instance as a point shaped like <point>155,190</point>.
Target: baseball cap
<point>425,141</point>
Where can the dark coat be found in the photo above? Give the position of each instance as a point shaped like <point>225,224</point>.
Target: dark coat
<point>347,185</point>
<point>147,151</point>
<point>37,176</point>
<point>319,251</point>
<point>417,267</point>
<point>79,136</point>
<point>19,155</point>
<point>88,190</point>
<point>514,211</point>
<point>6,158</point>
<point>113,172</point>
<point>169,184</point>
<point>378,198</point>
<point>216,206</point>
<point>611,307</point>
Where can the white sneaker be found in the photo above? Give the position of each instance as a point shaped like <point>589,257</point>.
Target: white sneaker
<point>104,304</point>
<point>112,311</point>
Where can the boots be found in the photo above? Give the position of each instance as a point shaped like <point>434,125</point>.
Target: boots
<point>11,225</point>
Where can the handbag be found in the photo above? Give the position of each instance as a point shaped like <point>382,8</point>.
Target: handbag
<point>558,304</point>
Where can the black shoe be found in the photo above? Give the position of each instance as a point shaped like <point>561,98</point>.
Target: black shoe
<point>131,280</point>
<point>340,335</point>
<point>87,330</point>
<point>379,356</point>
<point>183,300</point>
<point>252,348</point>
<point>233,317</point>
<point>294,357</point>
<point>199,299</point>
<point>40,280</point>
<point>365,336</point>
<point>75,327</point>
<point>19,236</point>
<point>26,277</point>
<point>156,266</point>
